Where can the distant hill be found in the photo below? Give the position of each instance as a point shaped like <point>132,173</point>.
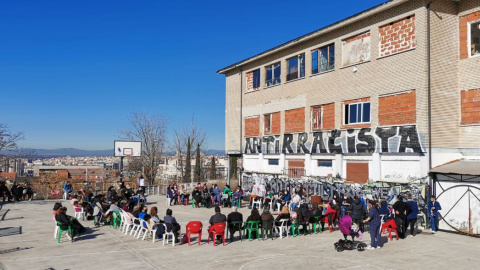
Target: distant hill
<point>74,152</point>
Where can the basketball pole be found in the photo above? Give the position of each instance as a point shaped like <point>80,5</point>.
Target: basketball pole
<point>121,169</point>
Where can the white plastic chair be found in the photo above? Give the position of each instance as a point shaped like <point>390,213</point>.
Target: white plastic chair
<point>167,235</point>
<point>150,231</point>
<point>135,226</point>
<point>142,229</point>
<point>128,222</point>
<point>283,227</point>
<point>168,201</point>
<point>79,214</point>
<point>257,201</point>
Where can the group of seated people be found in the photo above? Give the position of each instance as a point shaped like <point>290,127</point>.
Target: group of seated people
<point>205,196</point>
<point>18,191</point>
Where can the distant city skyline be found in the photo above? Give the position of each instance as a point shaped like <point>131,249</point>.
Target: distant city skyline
<point>72,72</point>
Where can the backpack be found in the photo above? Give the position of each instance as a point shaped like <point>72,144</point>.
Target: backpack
<point>185,239</point>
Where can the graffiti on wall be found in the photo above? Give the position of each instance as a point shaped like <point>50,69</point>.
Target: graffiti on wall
<point>328,188</point>
<point>395,139</point>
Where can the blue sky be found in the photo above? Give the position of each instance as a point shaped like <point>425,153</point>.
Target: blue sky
<point>71,72</point>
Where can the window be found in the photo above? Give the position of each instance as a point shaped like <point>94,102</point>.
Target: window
<point>325,163</point>
<point>273,74</point>
<point>296,67</point>
<point>323,59</point>
<point>356,113</point>
<point>256,78</point>
<point>474,38</point>
<point>268,123</point>
<point>317,113</point>
<point>273,161</point>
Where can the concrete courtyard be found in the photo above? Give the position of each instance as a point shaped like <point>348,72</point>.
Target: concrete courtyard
<point>27,242</point>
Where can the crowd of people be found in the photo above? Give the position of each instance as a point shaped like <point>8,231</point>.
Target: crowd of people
<point>18,192</point>
<point>297,208</point>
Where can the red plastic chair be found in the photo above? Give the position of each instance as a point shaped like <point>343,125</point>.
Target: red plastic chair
<point>55,194</point>
<point>325,220</point>
<point>194,227</point>
<point>390,226</point>
<point>214,230</point>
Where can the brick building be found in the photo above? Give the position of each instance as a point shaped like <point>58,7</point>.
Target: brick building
<point>383,95</point>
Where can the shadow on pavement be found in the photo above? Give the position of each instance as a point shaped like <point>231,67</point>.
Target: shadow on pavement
<point>13,250</point>
<point>10,231</point>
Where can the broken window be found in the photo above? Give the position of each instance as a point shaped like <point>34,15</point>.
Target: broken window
<point>475,38</point>
<point>296,67</point>
<point>273,74</point>
<point>268,123</point>
<point>317,118</point>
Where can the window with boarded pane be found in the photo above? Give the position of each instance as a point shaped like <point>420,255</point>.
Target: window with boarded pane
<point>273,74</point>
<point>296,67</point>
<point>475,38</point>
<point>268,123</point>
<point>323,59</point>
<point>356,113</point>
<point>256,78</point>
<point>317,113</point>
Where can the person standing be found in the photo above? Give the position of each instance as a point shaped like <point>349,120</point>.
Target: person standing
<point>401,211</point>
<point>413,215</point>
<point>357,212</point>
<point>374,224</point>
<point>433,208</point>
<point>141,184</point>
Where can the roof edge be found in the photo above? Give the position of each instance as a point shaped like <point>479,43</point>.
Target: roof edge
<point>351,19</point>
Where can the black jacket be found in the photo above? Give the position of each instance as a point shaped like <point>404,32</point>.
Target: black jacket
<point>403,209</point>
<point>63,218</point>
<point>234,216</point>
<point>218,218</point>
<point>357,209</point>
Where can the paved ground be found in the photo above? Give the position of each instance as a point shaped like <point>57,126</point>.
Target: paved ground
<point>26,242</point>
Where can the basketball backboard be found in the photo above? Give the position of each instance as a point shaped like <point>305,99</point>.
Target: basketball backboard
<point>127,149</point>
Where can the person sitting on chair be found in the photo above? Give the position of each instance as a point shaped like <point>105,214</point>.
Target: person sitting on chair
<point>67,188</point>
<point>172,224</point>
<point>197,196</point>
<point>66,221</point>
<point>206,197</point>
<point>254,216</point>
<point>285,214</point>
<point>216,218</point>
<point>237,196</point>
<point>234,216</point>
<point>217,195</point>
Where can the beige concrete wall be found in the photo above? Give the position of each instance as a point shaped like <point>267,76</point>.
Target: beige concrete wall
<point>232,112</point>
<point>469,78</point>
<point>399,72</point>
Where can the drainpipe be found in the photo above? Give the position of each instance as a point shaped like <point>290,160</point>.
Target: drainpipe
<point>429,91</point>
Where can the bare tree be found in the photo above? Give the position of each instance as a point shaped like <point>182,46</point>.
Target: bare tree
<point>8,144</point>
<point>151,131</point>
<point>185,139</point>
<point>9,139</point>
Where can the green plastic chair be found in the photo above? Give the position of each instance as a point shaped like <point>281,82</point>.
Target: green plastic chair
<point>201,204</point>
<point>69,230</point>
<point>294,227</point>
<point>267,226</point>
<point>252,226</point>
<point>316,224</point>
<point>237,226</point>
<point>115,220</point>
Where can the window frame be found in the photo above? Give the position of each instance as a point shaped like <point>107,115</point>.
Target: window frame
<point>299,67</point>
<point>259,78</point>
<point>324,160</point>
<point>330,66</point>
<point>469,38</point>
<point>267,129</point>
<point>361,117</point>
<point>273,80</point>
<point>320,118</point>
<point>272,159</point>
